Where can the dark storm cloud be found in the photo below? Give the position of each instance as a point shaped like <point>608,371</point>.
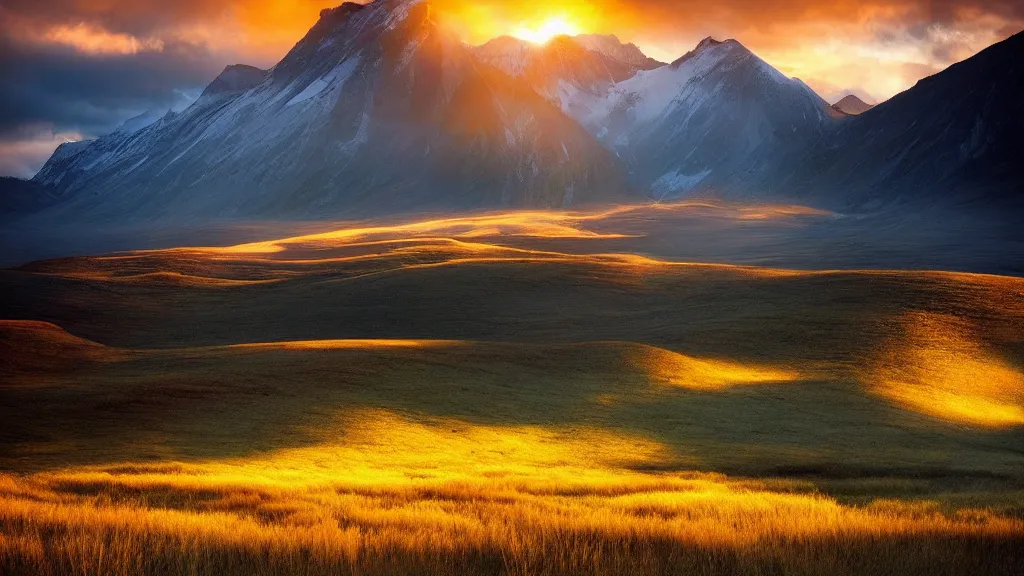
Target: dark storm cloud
<point>106,62</point>
<point>51,92</point>
<point>139,17</point>
<point>917,18</point>
<point>64,89</point>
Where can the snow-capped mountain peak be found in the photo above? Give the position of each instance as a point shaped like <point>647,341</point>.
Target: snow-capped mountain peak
<point>136,123</point>
<point>320,133</point>
<point>371,87</point>
<point>234,78</point>
<point>689,125</point>
<point>509,54</point>
<point>569,71</point>
<point>610,45</point>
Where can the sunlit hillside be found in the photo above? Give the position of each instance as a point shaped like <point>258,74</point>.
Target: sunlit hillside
<point>511,393</point>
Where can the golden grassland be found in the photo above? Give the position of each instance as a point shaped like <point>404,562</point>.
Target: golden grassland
<point>400,496</point>
<point>462,396</point>
<point>372,478</point>
<point>940,370</point>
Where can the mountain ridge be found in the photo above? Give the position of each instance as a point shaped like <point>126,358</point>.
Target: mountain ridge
<point>950,139</point>
<point>567,70</point>
<point>707,121</point>
<point>511,124</point>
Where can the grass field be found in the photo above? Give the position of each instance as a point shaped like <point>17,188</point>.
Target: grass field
<point>503,395</point>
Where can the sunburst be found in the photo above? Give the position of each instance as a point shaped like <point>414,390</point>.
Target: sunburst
<point>548,29</point>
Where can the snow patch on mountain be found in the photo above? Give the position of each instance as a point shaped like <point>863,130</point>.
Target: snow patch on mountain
<point>136,123</point>
<point>653,93</point>
<point>361,137</point>
<point>569,71</point>
<point>399,11</point>
<point>610,45</point>
<point>336,78</point>
<point>674,183</point>
<point>508,54</point>
<point>69,149</point>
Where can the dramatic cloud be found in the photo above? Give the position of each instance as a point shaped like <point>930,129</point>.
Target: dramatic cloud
<point>78,68</point>
<point>62,90</point>
<point>870,47</point>
<point>22,151</point>
<point>91,40</point>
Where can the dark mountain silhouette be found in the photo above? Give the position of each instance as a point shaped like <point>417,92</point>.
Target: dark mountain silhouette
<point>954,137</point>
<point>19,196</point>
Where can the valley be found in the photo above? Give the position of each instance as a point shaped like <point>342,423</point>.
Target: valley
<point>507,393</point>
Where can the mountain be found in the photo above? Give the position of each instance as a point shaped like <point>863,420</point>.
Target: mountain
<point>954,137</point>
<point>611,46</point>
<point>376,110</point>
<point>234,79</point>
<point>721,122</point>
<point>711,120</point>
<point>568,71</point>
<point>852,105</point>
<point>134,124</point>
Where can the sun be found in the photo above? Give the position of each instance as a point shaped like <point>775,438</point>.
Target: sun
<point>548,29</point>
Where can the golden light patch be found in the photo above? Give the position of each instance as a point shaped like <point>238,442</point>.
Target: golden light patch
<point>673,369</point>
<point>354,344</point>
<point>166,278</point>
<point>940,369</point>
<point>529,224</point>
<point>381,447</point>
<point>41,346</point>
<point>543,224</point>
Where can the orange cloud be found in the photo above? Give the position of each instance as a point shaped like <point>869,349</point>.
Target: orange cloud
<point>873,47</point>
<point>876,47</point>
<point>90,39</point>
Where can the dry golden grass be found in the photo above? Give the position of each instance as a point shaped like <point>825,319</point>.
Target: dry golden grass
<point>669,527</point>
<point>399,496</point>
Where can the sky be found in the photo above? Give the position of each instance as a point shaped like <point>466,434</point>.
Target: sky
<point>74,69</point>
